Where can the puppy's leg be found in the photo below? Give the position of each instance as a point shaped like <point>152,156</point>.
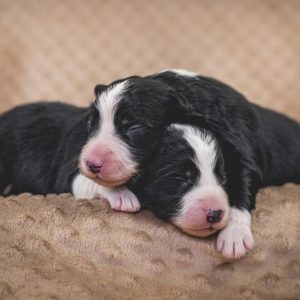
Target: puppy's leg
<point>236,238</point>
<point>120,198</point>
<point>243,182</point>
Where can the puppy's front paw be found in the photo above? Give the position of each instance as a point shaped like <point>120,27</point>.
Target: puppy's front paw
<point>122,199</point>
<point>235,242</point>
<point>236,239</point>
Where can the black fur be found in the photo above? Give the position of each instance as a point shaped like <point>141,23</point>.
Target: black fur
<point>40,145</point>
<point>146,109</point>
<point>260,147</point>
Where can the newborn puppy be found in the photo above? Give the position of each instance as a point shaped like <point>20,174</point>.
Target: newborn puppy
<point>42,144</point>
<point>124,129</point>
<point>185,182</point>
<point>40,148</point>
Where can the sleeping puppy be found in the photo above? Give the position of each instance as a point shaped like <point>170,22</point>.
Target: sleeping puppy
<point>123,132</point>
<point>184,182</point>
<point>42,144</point>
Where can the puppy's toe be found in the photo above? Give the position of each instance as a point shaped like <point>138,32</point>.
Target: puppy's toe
<point>235,241</point>
<point>123,200</point>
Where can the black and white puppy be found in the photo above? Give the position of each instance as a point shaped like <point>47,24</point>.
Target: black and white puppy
<point>124,129</point>
<point>184,182</point>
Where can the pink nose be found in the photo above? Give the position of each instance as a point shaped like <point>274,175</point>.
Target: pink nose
<point>94,166</point>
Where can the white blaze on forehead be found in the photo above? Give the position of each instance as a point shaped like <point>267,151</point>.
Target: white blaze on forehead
<point>106,136</point>
<point>106,104</point>
<point>182,72</point>
<point>204,147</point>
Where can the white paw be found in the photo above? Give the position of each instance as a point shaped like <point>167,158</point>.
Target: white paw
<point>122,199</point>
<point>235,242</point>
<point>236,238</point>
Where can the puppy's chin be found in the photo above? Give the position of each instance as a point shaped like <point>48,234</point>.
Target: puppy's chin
<point>110,183</point>
<point>200,233</point>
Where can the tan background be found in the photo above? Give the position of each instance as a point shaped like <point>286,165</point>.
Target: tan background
<point>61,248</point>
<point>60,49</point>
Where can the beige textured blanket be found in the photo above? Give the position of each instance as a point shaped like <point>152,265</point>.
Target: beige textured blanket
<point>61,248</point>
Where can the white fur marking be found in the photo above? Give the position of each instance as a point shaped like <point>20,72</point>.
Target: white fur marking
<point>85,188</point>
<point>182,72</point>
<point>106,104</point>
<point>120,198</point>
<point>205,149</point>
<point>236,238</point>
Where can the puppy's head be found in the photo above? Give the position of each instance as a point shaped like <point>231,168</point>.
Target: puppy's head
<point>183,183</point>
<point>124,125</point>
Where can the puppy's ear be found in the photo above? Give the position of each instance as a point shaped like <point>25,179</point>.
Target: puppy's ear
<point>99,88</point>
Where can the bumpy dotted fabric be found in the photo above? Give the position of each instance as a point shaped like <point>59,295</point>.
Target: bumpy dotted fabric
<point>61,248</point>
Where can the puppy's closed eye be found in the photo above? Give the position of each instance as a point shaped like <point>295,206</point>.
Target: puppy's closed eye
<point>135,133</point>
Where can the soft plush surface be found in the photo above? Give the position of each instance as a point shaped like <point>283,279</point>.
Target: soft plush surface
<point>61,248</point>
